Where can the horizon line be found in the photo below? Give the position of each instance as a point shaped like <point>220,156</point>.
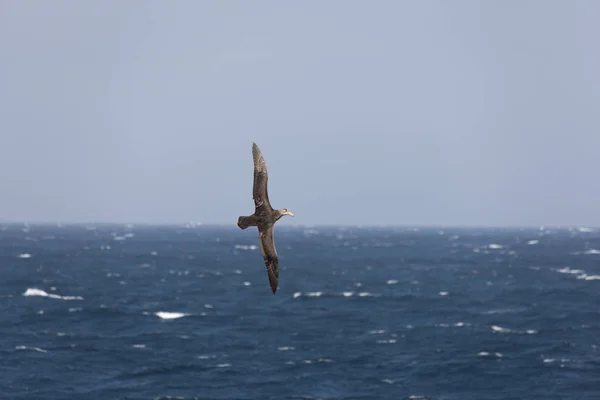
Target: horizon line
<point>195,224</point>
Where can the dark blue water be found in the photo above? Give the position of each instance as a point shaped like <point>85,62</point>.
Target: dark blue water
<point>122,312</point>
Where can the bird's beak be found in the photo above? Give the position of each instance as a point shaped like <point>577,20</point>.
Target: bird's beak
<point>289,213</point>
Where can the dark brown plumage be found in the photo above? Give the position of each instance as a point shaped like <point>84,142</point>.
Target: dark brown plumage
<point>264,217</point>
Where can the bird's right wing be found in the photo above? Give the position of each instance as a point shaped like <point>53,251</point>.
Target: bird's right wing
<point>267,248</point>
<point>259,189</point>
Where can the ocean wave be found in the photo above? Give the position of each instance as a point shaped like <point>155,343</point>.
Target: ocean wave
<point>170,315</point>
<point>334,294</point>
<point>42,293</point>
<point>499,329</point>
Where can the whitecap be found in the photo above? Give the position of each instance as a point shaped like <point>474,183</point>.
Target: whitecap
<point>592,251</point>
<point>297,294</point>
<point>24,255</point>
<point>139,346</point>
<point>589,277</point>
<point>443,293</point>
<point>487,354</point>
<point>42,293</point>
<point>246,247</point>
<point>286,348</point>
<point>495,246</point>
<point>247,283</point>
<point>170,315</point>
<point>586,230</point>
<point>314,294</point>
<point>348,294</point>
<point>500,329</point>
<point>392,282</point>
<point>31,348</point>
<point>224,365</point>
<point>533,242</point>
<point>568,270</point>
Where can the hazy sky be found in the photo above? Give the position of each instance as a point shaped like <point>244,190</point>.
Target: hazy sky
<point>367,112</point>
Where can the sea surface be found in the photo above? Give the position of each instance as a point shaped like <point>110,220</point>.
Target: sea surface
<point>186,312</point>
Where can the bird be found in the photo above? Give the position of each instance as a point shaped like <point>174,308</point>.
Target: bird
<point>264,218</point>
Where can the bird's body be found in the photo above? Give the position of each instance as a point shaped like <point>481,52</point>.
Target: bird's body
<point>264,217</point>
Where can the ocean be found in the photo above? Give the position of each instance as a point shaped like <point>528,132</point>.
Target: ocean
<point>186,312</point>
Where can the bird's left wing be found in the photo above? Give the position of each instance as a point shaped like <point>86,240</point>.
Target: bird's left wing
<point>267,248</point>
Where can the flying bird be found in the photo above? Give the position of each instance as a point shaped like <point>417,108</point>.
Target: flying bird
<point>264,217</point>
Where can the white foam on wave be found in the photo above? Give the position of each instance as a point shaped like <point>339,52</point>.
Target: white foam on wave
<point>547,360</point>
<point>246,246</point>
<point>586,230</point>
<point>206,356</point>
<point>42,293</point>
<point>458,324</point>
<point>392,282</point>
<point>581,274</point>
<point>505,311</point>
<point>286,348</point>
<point>443,293</point>
<point>488,354</point>
<point>139,346</point>
<point>533,242</point>
<point>495,246</point>
<point>314,294</point>
<point>31,348</point>
<point>568,270</point>
<point>342,294</point>
<point>388,341</point>
<point>592,251</point>
<point>24,255</point>
<point>589,277</point>
<point>500,329</point>
<point>170,315</point>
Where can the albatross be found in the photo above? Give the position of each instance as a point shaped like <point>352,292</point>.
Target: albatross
<point>264,217</point>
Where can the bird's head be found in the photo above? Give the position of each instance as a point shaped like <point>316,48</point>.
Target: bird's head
<point>284,211</point>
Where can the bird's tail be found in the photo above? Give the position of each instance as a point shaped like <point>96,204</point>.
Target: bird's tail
<point>244,222</point>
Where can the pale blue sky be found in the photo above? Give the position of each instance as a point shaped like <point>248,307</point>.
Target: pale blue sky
<point>367,112</point>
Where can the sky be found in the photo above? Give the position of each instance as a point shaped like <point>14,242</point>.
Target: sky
<point>389,112</point>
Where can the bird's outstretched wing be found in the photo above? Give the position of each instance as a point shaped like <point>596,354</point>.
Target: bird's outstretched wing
<point>259,189</point>
<point>267,248</point>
